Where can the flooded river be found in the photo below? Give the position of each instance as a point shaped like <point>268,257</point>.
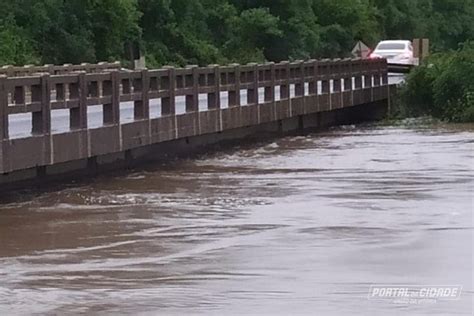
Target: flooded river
<point>297,225</point>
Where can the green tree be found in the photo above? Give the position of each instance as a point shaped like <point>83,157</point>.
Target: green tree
<point>452,22</point>
<point>112,23</point>
<point>343,23</point>
<point>15,47</point>
<point>201,32</point>
<point>75,31</point>
<point>176,32</point>
<point>254,30</point>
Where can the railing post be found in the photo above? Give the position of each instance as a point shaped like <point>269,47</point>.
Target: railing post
<point>348,75</point>
<point>111,111</point>
<point>270,91</point>
<point>368,74</point>
<point>384,70</point>
<point>78,115</point>
<point>168,104</point>
<point>42,119</point>
<point>285,88</point>
<point>4,165</point>
<point>116,78</point>
<point>376,72</point>
<point>325,86</point>
<point>88,68</point>
<point>192,100</point>
<point>68,68</point>
<point>7,70</point>
<point>299,85</point>
<point>313,84</point>
<point>348,84</point>
<point>50,69</point>
<point>370,80</point>
<point>336,85</point>
<point>357,75</point>
<point>234,95</point>
<point>337,100</point>
<point>252,92</point>
<point>325,82</point>
<point>3,108</point>
<point>214,98</point>
<point>336,75</point>
<point>141,108</point>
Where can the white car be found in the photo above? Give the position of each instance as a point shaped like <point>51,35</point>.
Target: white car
<point>396,52</point>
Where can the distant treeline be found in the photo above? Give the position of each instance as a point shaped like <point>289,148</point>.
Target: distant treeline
<point>220,31</point>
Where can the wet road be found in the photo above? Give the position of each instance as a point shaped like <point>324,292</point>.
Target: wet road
<point>298,225</point>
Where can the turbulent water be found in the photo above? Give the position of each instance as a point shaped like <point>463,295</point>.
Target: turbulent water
<point>297,225</point>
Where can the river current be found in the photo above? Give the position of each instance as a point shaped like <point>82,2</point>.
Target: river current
<point>297,225</point>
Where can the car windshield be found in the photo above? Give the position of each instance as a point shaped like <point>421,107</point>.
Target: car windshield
<point>391,46</point>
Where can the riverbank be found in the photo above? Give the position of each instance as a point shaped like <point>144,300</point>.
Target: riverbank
<point>442,87</point>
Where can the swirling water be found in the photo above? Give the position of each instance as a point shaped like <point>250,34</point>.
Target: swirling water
<point>297,225</point>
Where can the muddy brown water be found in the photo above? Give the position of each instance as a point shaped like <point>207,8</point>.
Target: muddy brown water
<point>297,225</point>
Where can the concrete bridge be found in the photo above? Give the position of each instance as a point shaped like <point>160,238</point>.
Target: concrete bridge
<point>77,120</point>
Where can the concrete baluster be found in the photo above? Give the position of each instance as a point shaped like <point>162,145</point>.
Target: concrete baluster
<point>348,75</point>
<point>376,79</point>
<point>313,84</point>
<point>269,96</point>
<point>234,95</point>
<point>3,108</point>
<point>168,104</point>
<point>4,164</point>
<point>111,111</point>
<point>285,87</point>
<point>141,108</point>
<point>213,80</point>
<point>7,70</point>
<point>300,77</point>
<point>337,74</point>
<point>324,74</point>
<point>376,72</point>
<point>78,91</point>
<point>356,71</point>
<point>384,72</point>
<point>348,99</point>
<point>192,100</point>
<point>252,92</point>
<point>42,119</point>
<point>368,73</point>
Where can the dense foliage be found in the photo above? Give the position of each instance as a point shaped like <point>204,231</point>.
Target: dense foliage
<point>442,87</point>
<point>219,31</point>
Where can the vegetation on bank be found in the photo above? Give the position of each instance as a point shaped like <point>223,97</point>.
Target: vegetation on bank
<point>220,31</point>
<point>442,87</point>
<point>181,32</point>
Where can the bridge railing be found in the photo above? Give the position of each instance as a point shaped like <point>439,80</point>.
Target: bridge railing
<point>210,99</point>
<point>30,70</point>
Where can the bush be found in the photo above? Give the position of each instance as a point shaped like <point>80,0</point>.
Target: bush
<point>443,86</point>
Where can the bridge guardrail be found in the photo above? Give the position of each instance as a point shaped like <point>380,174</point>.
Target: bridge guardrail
<point>305,87</point>
<point>31,70</point>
